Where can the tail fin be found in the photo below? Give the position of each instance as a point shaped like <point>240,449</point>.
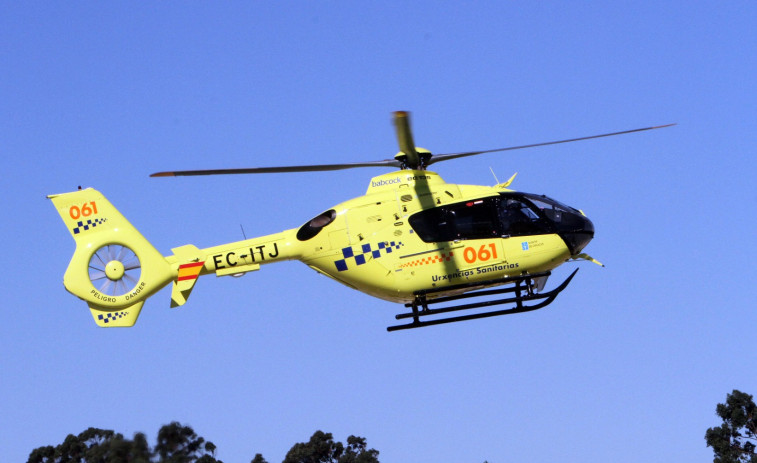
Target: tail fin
<point>114,268</point>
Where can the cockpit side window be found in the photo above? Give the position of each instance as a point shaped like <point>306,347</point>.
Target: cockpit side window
<point>462,221</point>
<point>518,216</point>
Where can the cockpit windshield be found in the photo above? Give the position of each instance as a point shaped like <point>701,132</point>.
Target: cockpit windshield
<point>552,209</point>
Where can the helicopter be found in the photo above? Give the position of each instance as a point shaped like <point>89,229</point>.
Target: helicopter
<point>448,252</point>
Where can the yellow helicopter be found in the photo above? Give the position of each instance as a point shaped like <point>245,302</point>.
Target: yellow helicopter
<point>411,238</point>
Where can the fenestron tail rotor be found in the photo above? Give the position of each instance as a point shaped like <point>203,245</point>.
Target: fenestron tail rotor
<point>114,270</point>
<point>409,157</point>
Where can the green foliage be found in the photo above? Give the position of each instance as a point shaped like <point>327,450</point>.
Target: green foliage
<point>356,452</point>
<point>94,446</point>
<point>180,444</point>
<point>176,444</point>
<point>322,449</point>
<point>735,440</point>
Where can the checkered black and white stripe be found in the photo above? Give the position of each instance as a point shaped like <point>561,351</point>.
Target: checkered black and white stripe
<point>84,226</point>
<point>358,255</point>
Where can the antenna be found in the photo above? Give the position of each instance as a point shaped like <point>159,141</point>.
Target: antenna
<point>496,180</point>
<point>243,234</point>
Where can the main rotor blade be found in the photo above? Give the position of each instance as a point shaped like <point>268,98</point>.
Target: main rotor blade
<point>446,157</point>
<point>277,170</point>
<point>407,146</point>
<point>405,138</point>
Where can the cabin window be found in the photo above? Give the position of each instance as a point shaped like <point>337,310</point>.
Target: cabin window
<point>315,225</point>
<point>462,221</point>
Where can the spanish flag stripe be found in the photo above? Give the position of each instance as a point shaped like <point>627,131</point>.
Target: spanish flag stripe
<point>190,271</point>
<point>192,264</point>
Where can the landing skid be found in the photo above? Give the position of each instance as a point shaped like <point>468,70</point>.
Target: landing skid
<point>522,288</point>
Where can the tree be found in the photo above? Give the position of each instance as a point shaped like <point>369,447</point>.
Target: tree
<point>356,452</point>
<point>322,449</point>
<point>176,444</point>
<point>94,446</point>
<point>180,444</point>
<point>735,440</point>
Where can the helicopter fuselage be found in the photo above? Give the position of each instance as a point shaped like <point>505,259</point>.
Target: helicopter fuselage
<point>412,231</point>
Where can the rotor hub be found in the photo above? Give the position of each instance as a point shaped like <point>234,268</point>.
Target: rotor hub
<point>114,270</point>
<point>419,159</point>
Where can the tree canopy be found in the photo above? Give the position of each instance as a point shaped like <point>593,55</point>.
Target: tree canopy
<point>734,441</point>
<point>177,443</point>
<point>321,448</point>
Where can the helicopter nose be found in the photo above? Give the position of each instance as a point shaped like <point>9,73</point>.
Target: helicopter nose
<point>577,231</point>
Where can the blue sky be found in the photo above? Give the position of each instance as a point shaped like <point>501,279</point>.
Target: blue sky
<point>627,365</point>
